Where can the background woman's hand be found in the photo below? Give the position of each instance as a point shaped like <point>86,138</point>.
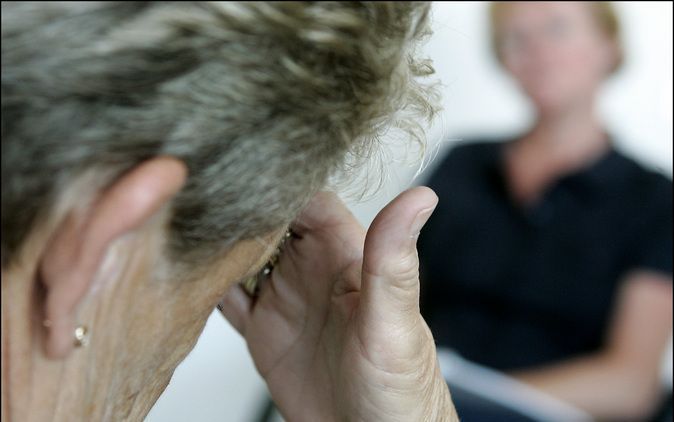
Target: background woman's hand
<point>336,331</point>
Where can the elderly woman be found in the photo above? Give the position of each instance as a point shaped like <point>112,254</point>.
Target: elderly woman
<point>153,156</point>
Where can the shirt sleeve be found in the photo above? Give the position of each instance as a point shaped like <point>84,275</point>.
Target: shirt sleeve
<point>652,248</point>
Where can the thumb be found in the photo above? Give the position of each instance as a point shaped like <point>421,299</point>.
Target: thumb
<point>390,274</point>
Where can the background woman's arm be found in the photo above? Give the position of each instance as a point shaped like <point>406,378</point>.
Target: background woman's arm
<point>623,380</point>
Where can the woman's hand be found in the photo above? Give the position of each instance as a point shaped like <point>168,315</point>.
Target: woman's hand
<point>336,330</point>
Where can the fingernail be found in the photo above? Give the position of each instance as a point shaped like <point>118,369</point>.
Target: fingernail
<point>420,220</point>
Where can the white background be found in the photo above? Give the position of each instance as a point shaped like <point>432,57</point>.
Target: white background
<point>218,382</point>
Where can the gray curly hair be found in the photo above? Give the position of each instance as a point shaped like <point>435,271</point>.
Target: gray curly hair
<point>264,102</point>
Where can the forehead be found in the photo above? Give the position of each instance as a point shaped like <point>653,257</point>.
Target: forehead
<point>526,13</point>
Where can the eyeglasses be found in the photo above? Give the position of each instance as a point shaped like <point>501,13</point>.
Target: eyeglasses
<point>252,284</point>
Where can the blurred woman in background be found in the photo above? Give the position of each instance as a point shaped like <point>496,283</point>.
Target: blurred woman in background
<point>550,253</point>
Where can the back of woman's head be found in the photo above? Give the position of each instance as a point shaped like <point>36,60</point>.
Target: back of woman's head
<point>262,101</point>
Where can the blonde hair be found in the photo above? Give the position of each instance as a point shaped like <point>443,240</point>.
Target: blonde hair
<point>603,12</point>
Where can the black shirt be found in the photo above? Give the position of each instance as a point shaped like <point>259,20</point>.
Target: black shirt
<point>510,287</point>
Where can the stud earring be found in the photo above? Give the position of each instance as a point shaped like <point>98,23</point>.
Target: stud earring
<point>81,336</point>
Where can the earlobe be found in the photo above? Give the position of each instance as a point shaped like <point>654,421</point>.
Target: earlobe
<point>78,245</point>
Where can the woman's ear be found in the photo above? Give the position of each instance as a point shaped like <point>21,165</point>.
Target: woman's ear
<point>75,251</point>
<point>610,55</point>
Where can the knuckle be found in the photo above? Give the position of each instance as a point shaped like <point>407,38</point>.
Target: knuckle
<point>402,268</point>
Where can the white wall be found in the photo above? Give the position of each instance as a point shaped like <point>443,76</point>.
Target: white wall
<point>218,382</point>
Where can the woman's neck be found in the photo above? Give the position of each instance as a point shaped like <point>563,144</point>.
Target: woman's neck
<point>83,386</point>
<point>558,144</point>
<point>34,388</point>
<point>569,137</point>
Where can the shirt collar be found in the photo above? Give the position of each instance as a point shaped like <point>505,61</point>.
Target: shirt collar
<point>592,179</point>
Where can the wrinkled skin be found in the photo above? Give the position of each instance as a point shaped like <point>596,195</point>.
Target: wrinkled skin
<point>336,330</point>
